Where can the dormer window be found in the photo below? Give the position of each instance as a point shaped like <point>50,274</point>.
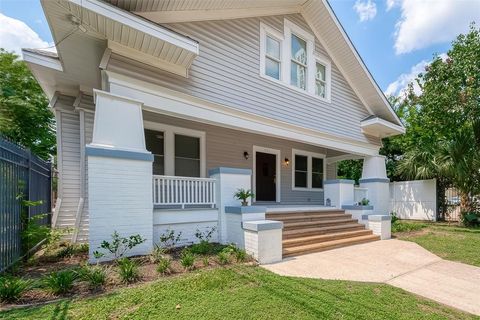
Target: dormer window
<point>289,59</point>
<point>298,66</point>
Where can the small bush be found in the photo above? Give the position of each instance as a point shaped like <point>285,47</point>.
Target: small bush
<point>169,240</point>
<point>206,261</point>
<point>402,226</point>
<point>157,254</point>
<point>202,248</point>
<point>12,288</point>
<point>119,246</point>
<point>128,270</point>
<point>60,282</point>
<point>470,218</point>
<point>96,276</point>
<point>223,257</point>
<point>187,259</point>
<point>240,255</point>
<point>394,217</point>
<point>163,266</point>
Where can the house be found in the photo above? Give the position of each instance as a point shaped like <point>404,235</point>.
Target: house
<point>164,108</point>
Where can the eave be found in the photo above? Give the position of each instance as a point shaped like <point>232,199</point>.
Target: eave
<point>380,128</point>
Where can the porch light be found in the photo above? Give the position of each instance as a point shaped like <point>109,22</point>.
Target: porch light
<point>286,161</point>
<point>246,155</point>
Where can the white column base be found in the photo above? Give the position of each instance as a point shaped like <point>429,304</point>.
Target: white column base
<point>263,240</point>
<point>380,225</point>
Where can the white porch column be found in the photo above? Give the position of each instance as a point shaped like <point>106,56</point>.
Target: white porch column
<point>229,180</point>
<point>119,174</point>
<point>374,178</point>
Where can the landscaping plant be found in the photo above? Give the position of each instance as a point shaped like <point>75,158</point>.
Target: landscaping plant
<point>163,266</point>
<point>206,261</point>
<point>157,254</point>
<point>243,195</point>
<point>364,202</point>
<point>119,246</point>
<point>204,246</point>
<point>223,257</point>
<point>95,276</point>
<point>187,259</point>
<point>240,255</point>
<point>12,288</point>
<point>60,282</point>
<point>128,270</point>
<point>169,240</point>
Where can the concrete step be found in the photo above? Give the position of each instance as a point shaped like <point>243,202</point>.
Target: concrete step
<point>285,214</point>
<point>327,245</point>
<point>312,217</point>
<point>319,223</point>
<point>324,238</point>
<point>313,231</point>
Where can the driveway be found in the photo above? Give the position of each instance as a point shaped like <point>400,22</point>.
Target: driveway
<point>399,263</point>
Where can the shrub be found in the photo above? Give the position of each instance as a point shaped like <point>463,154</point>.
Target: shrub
<point>96,276</point>
<point>187,259</point>
<point>128,270</point>
<point>60,282</point>
<point>206,261</point>
<point>67,251</point>
<point>470,218</point>
<point>157,254</point>
<point>163,266</point>
<point>201,248</point>
<point>394,217</point>
<point>364,202</point>
<point>12,288</point>
<point>223,257</point>
<point>403,226</point>
<point>240,255</point>
<point>169,240</point>
<point>119,245</point>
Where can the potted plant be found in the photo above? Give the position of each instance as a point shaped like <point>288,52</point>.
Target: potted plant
<point>243,195</point>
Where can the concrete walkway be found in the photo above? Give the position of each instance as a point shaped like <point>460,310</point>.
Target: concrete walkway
<point>399,263</point>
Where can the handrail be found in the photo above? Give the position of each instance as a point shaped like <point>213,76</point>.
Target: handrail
<point>182,191</point>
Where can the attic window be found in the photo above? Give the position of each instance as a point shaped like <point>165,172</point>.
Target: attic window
<point>271,52</point>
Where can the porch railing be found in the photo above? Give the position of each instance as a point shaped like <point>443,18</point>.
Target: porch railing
<point>359,194</point>
<point>182,191</point>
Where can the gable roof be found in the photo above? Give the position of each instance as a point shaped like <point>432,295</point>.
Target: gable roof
<point>318,14</point>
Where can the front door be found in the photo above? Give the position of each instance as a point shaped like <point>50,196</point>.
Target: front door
<point>265,177</point>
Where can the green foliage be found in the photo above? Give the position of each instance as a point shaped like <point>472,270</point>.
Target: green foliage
<point>12,288</point>
<point>119,246</point>
<point>25,116</point>
<point>187,259</point>
<point>350,169</point>
<point>128,270</point>
<point>394,217</point>
<point>206,235</point>
<point>95,276</point>
<point>364,202</point>
<point>164,265</point>
<point>169,240</point>
<point>223,257</point>
<point>470,218</point>
<point>243,194</point>
<point>204,246</point>
<point>60,282</point>
<point>33,232</point>
<point>240,255</point>
<point>405,226</point>
<point>206,261</point>
<point>157,254</point>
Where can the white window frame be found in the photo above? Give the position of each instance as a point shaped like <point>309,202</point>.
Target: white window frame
<point>328,76</point>
<point>278,171</point>
<point>277,35</point>
<point>309,156</point>
<point>169,133</point>
<point>286,61</point>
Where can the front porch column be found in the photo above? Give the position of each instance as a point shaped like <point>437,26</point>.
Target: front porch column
<point>374,178</point>
<point>119,174</point>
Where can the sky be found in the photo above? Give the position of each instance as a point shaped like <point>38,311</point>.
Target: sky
<point>395,38</point>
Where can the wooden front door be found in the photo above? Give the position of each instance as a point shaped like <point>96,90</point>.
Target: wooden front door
<point>265,177</point>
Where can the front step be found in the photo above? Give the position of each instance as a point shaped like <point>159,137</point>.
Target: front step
<point>279,215</point>
<point>327,245</point>
<point>317,223</point>
<point>288,234</point>
<point>324,238</point>
<point>311,217</point>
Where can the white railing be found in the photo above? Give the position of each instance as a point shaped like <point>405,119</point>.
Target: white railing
<point>359,194</point>
<point>168,190</point>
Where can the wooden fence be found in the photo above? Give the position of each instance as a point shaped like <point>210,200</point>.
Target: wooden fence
<point>23,176</point>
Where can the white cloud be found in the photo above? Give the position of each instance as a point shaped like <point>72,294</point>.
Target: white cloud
<point>427,22</point>
<point>366,10</point>
<point>15,35</point>
<point>400,86</point>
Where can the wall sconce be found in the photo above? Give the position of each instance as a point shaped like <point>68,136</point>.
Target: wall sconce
<point>246,155</point>
<point>286,161</point>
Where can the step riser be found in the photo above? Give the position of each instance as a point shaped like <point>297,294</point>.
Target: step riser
<point>316,224</point>
<point>301,241</point>
<point>320,232</point>
<point>336,246</point>
<point>310,214</point>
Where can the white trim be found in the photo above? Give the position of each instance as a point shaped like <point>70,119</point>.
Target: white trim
<point>265,31</point>
<point>42,60</point>
<point>105,58</point>
<point>169,145</point>
<point>368,127</point>
<point>126,18</point>
<point>170,102</point>
<point>278,172</point>
<point>309,156</point>
<point>133,54</point>
<point>175,16</point>
<point>332,160</point>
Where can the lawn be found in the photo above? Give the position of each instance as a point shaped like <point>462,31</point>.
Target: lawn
<point>245,292</point>
<point>448,241</point>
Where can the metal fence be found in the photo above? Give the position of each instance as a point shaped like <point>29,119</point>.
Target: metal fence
<point>23,176</point>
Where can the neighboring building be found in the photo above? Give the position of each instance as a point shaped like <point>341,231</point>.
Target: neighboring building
<point>183,102</point>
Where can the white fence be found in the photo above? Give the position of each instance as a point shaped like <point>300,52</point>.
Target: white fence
<point>415,200</point>
<point>359,194</point>
<point>183,191</point>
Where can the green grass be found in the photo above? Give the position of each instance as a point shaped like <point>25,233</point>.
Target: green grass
<point>245,292</point>
<point>450,242</point>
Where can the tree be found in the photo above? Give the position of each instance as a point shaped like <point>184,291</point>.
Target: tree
<point>25,116</point>
<point>443,121</point>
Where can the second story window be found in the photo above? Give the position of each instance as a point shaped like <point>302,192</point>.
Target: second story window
<point>272,58</point>
<point>298,66</point>
<point>321,80</point>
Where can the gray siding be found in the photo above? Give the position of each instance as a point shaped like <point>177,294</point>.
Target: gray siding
<point>225,147</point>
<point>227,72</point>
